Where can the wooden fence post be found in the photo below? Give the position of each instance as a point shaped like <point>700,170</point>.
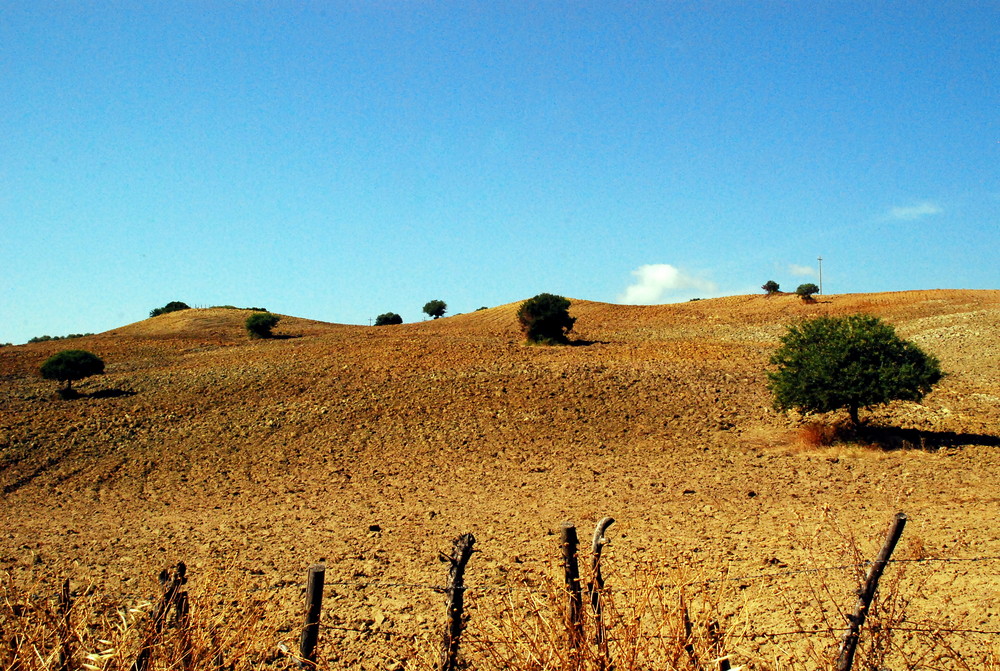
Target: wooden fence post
<point>459,559</point>
<point>850,641</point>
<point>595,589</point>
<point>172,590</point>
<point>314,606</point>
<point>574,611</point>
<point>65,633</point>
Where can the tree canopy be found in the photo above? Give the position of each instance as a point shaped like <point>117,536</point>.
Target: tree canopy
<point>70,365</point>
<point>172,306</point>
<point>806,291</point>
<point>771,287</point>
<point>851,362</point>
<point>388,319</point>
<point>259,324</point>
<point>435,308</point>
<point>545,319</point>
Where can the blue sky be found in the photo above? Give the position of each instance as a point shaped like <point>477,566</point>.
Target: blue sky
<point>336,160</point>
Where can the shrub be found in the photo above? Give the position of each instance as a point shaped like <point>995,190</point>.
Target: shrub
<point>851,362</point>
<point>388,319</point>
<point>47,338</point>
<point>806,291</point>
<point>172,306</point>
<point>71,364</point>
<point>545,319</point>
<point>259,324</point>
<point>435,308</point>
<point>771,287</point>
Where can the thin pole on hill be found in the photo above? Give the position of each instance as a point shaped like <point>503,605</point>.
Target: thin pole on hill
<point>850,641</point>
<point>574,612</point>
<point>314,605</point>
<point>459,559</point>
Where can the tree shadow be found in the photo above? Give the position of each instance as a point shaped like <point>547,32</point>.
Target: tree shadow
<point>587,343</point>
<point>891,438</point>
<point>111,393</point>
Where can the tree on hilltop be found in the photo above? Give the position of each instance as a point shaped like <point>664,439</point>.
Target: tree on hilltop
<point>851,362</point>
<point>388,319</point>
<point>172,306</point>
<point>435,308</point>
<point>806,291</point>
<point>545,319</point>
<point>771,287</point>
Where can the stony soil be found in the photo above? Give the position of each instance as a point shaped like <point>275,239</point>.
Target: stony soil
<point>372,448</point>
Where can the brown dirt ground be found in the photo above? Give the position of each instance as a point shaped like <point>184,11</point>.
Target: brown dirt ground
<point>372,448</point>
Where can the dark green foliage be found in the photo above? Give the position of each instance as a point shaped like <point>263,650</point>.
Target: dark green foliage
<point>850,362</point>
<point>771,287</point>
<point>259,324</point>
<point>172,306</point>
<point>47,338</point>
<point>545,319</point>
<point>806,291</point>
<point>482,308</point>
<point>388,319</point>
<point>71,364</point>
<point>435,308</point>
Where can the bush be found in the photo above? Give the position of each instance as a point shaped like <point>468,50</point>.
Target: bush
<point>47,338</point>
<point>771,287</point>
<point>71,364</point>
<point>259,324</point>
<point>806,291</point>
<point>435,308</point>
<point>172,306</point>
<point>852,362</point>
<point>545,319</point>
<point>388,319</point>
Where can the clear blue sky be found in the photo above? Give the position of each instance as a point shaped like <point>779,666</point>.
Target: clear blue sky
<point>336,160</point>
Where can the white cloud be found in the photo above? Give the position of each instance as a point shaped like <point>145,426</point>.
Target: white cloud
<point>801,271</point>
<point>655,281</point>
<point>914,212</point>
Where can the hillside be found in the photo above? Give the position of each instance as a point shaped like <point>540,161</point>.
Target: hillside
<point>372,447</point>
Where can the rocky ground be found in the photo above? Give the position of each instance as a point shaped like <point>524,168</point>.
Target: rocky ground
<point>371,448</point>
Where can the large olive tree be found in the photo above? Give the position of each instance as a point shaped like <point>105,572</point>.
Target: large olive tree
<point>851,362</point>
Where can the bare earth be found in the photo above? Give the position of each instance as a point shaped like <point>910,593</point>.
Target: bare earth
<point>372,448</point>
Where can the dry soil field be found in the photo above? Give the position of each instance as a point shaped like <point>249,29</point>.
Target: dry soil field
<point>372,448</point>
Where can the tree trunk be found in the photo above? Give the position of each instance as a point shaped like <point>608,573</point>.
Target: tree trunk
<point>853,410</point>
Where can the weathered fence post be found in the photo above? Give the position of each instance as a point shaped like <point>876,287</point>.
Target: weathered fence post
<point>850,641</point>
<point>459,559</point>
<point>314,605</point>
<point>65,645</point>
<point>172,591</point>
<point>595,589</point>
<point>574,611</point>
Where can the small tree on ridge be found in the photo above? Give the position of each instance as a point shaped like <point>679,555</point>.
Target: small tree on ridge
<point>435,308</point>
<point>771,287</point>
<point>388,319</point>
<point>259,324</point>
<point>545,319</point>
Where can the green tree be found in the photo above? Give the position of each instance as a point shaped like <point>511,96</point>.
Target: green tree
<point>70,365</point>
<point>850,362</point>
<point>771,287</point>
<point>435,308</point>
<point>172,306</point>
<point>259,324</point>
<point>388,319</point>
<point>545,319</point>
<point>806,291</point>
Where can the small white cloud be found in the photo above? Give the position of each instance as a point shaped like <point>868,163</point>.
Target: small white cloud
<point>914,212</point>
<point>801,271</point>
<point>656,281</point>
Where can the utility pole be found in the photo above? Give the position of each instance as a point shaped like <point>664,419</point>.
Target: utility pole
<point>820,275</point>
